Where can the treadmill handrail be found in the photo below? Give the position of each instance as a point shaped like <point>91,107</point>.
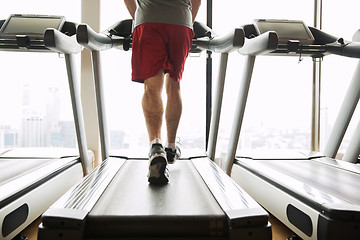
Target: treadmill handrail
<point>324,44</point>
<point>59,42</point>
<point>94,41</point>
<point>347,49</point>
<point>262,44</point>
<point>222,44</point>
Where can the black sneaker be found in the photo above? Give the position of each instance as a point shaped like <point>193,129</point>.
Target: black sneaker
<point>158,172</point>
<point>172,155</point>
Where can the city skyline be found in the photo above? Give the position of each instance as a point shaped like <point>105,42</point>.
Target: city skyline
<point>44,128</point>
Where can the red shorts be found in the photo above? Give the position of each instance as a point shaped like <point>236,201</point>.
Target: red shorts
<point>160,46</point>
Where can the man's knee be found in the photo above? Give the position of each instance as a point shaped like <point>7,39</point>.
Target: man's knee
<point>153,85</point>
<point>172,87</point>
<point>152,89</point>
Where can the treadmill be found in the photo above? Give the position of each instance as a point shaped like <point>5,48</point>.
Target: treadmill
<point>32,179</point>
<point>317,197</point>
<point>115,201</point>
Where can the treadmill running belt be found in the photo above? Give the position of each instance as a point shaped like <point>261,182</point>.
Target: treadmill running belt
<point>319,175</point>
<point>18,167</point>
<point>183,207</point>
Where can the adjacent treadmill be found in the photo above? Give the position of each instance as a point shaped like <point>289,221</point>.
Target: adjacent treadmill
<point>316,197</point>
<point>115,201</point>
<point>33,179</point>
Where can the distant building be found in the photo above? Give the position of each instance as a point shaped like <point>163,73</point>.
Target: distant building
<point>117,140</point>
<point>68,134</point>
<point>53,136</point>
<point>8,137</point>
<point>33,131</point>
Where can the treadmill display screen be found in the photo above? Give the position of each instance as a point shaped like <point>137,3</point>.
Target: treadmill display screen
<point>286,30</point>
<point>31,24</point>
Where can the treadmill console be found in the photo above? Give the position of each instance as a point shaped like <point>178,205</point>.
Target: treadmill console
<point>26,32</point>
<point>287,30</point>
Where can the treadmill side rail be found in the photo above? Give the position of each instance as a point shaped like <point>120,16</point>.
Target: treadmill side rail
<point>345,211</point>
<point>243,212</point>
<point>74,218</point>
<point>72,208</point>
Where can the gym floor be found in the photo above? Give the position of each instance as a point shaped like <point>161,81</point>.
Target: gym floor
<point>279,231</point>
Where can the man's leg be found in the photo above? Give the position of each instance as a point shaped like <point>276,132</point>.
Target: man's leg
<point>152,105</point>
<point>173,108</point>
<point>172,116</point>
<point>153,111</point>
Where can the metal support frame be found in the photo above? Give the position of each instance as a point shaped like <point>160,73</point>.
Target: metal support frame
<point>208,100</point>
<point>239,113</point>
<point>101,113</point>
<point>77,112</point>
<point>344,116</point>
<point>315,116</point>
<point>208,76</point>
<point>353,151</point>
<point>316,90</point>
<point>214,127</point>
